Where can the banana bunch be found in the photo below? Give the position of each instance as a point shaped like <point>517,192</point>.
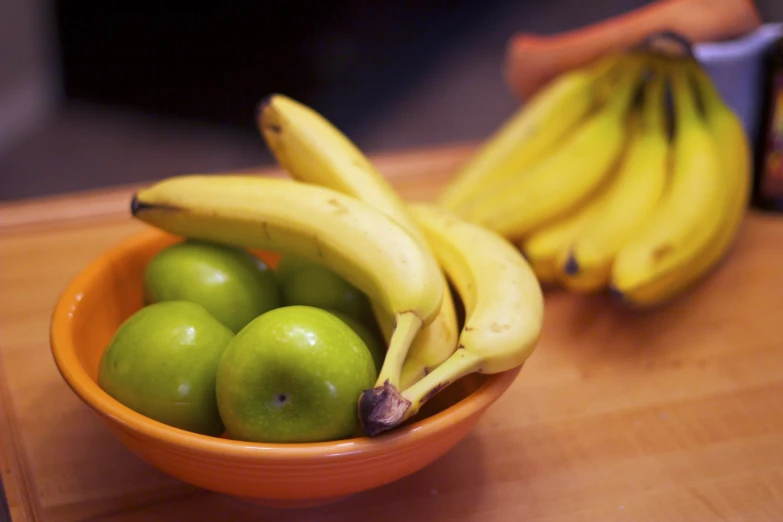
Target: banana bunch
<point>642,194</point>
<point>337,210</point>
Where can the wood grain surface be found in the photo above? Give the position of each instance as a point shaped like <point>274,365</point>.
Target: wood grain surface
<point>669,415</point>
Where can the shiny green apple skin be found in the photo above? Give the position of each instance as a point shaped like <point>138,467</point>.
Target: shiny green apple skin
<point>293,375</point>
<point>372,338</point>
<point>230,283</point>
<point>309,284</point>
<point>162,362</point>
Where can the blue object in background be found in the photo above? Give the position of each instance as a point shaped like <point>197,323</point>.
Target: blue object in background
<point>737,68</point>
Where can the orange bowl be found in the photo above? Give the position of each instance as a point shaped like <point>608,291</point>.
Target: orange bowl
<point>109,290</point>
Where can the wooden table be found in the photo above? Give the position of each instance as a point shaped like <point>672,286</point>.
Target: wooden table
<point>672,415</point>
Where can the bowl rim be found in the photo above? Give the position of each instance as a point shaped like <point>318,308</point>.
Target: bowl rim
<point>66,360</point>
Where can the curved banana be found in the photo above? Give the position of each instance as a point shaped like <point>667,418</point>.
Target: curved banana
<point>542,249</point>
<point>360,243</point>
<point>531,132</point>
<point>313,150</point>
<point>734,155</point>
<point>586,263</point>
<point>689,216</point>
<point>526,203</point>
<point>504,308</point>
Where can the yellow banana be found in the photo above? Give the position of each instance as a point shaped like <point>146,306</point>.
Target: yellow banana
<point>632,198</point>
<point>504,309</point>
<point>530,133</point>
<point>354,239</point>
<point>543,247</point>
<point>734,155</point>
<point>313,150</point>
<point>567,177</point>
<point>689,215</point>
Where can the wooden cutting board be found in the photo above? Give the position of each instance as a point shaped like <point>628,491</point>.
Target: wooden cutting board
<point>670,415</point>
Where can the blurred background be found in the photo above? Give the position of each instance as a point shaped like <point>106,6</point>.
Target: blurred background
<point>96,94</point>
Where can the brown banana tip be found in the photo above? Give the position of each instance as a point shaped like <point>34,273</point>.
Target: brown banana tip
<point>571,265</point>
<point>136,206</point>
<point>265,102</point>
<point>382,408</point>
<point>616,293</point>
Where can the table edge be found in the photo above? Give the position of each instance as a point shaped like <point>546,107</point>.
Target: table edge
<point>17,487</point>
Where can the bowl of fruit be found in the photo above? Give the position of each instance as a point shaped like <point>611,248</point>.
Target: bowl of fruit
<point>292,341</point>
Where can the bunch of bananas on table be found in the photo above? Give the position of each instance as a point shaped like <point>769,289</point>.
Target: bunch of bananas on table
<point>630,175</point>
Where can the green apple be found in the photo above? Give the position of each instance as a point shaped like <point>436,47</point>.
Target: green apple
<point>162,362</point>
<point>230,283</point>
<point>309,284</point>
<point>372,338</point>
<point>289,265</point>
<point>293,374</point>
